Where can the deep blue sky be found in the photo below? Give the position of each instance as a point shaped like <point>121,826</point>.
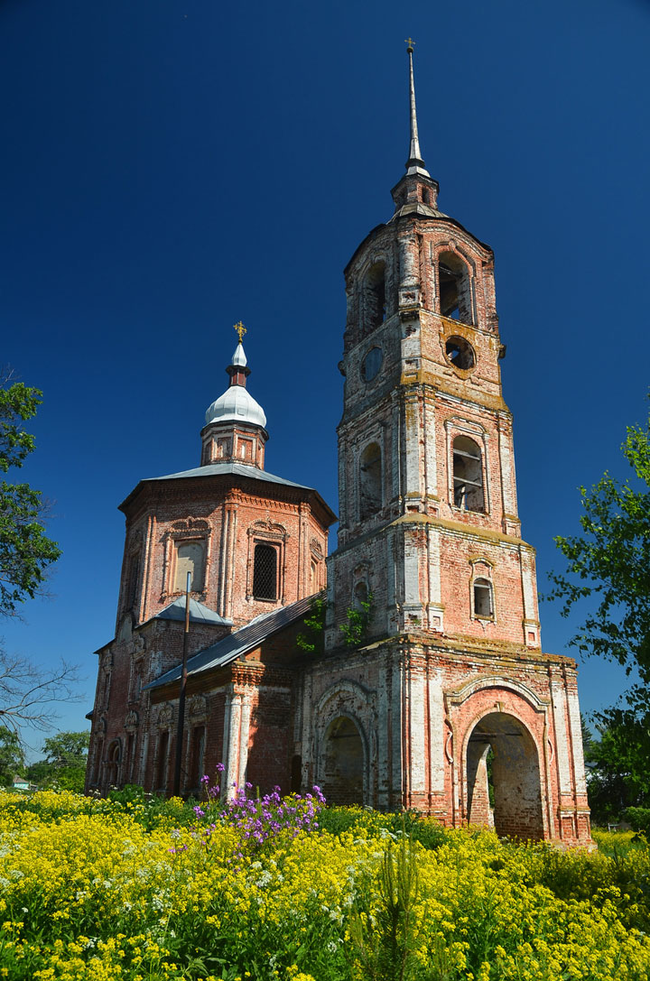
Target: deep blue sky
<point>170,167</point>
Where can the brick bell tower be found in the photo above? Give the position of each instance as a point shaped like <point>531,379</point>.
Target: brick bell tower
<point>450,675</point>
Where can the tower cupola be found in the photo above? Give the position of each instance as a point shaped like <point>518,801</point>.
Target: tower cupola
<point>235,424</point>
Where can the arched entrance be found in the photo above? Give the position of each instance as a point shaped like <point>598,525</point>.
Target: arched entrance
<point>343,758</point>
<point>503,782</point>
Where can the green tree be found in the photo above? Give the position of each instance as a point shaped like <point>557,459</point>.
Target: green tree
<point>65,760</point>
<point>26,691</point>
<point>609,563</point>
<point>617,770</point>
<point>12,757</point>
<point>25,550</point>
<point>608,571</point>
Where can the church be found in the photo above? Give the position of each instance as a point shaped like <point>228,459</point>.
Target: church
<point>405,670</point>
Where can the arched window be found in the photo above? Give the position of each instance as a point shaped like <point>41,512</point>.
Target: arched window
<point>114,758</point>
<point>375,296</point>
<point>190,557</point>
<point>455,288</point>
<point>483,599</point>
<point>360,594</point>
<point>265,573</point>
<point>468,475</point>
<point>370,496</point>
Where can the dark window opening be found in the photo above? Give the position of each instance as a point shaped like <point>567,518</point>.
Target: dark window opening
<point>460,352</point>
<point>197,751</point>
<point>455,289</point>
<point>370,496</point>
<point>114,759</point>
<point>161,769</point>
<point>375,296</point>
<point>98,762</point>
<point>468,475</point>
<point>132,581</point>
<point>360,595</point>
<point>265,573</point>
<point>483,606</point>
<point>296,774</point>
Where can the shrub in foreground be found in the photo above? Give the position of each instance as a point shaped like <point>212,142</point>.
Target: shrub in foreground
<point>90,892</point>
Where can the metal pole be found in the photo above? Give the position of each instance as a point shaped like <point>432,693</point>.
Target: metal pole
<point>181,695</point>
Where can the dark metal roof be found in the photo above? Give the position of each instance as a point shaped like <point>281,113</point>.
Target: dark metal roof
<point>240,641</point>
<point>238,469</point>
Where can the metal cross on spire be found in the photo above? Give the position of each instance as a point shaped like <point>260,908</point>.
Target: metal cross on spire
<point>241,330</point>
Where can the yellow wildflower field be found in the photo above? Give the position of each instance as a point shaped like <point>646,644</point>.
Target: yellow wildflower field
<point>97,890</point>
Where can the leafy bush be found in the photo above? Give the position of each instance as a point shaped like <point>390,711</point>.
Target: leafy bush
<point>638,818</point>
<point>96,890</point>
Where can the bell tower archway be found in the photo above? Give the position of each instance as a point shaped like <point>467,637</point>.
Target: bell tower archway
<point>504,789</point>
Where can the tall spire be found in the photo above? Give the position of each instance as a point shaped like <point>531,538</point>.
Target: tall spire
<point>415,163</point>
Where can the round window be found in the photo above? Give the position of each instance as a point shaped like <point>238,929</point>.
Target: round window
<point>460,352</point>
<point>371,364</point>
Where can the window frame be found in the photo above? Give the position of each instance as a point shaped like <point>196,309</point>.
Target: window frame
<point>273,534</point>
<point>178,545</point>
<point>272,548</point>
<point>478,435</point>
<point>187,531</point>
<point>484,584</point>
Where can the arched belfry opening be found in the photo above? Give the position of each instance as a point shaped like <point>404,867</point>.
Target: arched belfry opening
<point>503,778</point>
<point>343,762</point>
<point>374,296</point>
<point>455,288</point>
<point>468,475</point>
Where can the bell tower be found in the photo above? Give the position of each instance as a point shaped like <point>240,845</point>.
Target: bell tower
<point>428,501</point>
<point>444,665</point>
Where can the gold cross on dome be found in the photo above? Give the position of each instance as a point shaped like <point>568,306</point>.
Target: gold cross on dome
<point>410,42</point>
<point>241,330</point>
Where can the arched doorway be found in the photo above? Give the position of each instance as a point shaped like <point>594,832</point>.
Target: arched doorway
<point>503,781</point>
<point>342,781</point>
